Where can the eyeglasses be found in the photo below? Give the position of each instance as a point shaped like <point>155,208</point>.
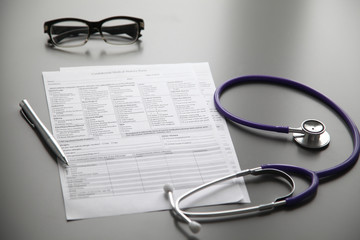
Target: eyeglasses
<point>73,32</point>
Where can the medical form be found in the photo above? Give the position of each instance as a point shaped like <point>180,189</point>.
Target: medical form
<point>128,130</point>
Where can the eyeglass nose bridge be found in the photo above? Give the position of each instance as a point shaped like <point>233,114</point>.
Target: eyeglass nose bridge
<point>95,27</point>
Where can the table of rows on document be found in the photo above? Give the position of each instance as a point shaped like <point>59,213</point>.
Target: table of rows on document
<point>128,130</point>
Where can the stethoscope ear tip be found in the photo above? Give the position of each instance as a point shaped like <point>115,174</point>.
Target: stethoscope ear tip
<point>168,188</point>
<point>194,226</point>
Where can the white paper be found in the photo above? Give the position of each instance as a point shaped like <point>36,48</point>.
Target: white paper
<point>128,130</point>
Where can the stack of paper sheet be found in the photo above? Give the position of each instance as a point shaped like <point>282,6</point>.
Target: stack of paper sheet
<point>128,130</point>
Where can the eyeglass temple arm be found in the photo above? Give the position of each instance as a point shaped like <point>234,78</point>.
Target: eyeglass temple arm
<point>129,29</point>
<point>63,32</point>
<point>67,31</point>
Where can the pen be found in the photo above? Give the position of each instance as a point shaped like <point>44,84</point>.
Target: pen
<point>31,117</point>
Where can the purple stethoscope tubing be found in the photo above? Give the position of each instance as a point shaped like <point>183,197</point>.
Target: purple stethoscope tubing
<point>315,176</point>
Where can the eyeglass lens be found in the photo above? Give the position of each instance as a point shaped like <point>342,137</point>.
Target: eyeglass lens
<point>120,31</point>
<point>76,33</point>
<point>69,33</point>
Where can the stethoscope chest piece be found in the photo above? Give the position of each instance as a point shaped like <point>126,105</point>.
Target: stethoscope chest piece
<point>312,134</point>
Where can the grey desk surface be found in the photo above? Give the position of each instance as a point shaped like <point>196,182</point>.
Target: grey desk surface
<point>315,42</point>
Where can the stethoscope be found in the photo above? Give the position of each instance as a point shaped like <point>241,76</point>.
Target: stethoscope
<point>312,134</point>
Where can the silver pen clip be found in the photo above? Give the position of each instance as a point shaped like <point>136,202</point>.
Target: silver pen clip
<point>26,118</point>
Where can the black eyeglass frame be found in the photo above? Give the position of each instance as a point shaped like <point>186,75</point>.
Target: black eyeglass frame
<point>93,27</point>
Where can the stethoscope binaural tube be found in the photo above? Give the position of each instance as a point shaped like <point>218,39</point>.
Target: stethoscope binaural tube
<point>349,162</point>
<point>279,170</point>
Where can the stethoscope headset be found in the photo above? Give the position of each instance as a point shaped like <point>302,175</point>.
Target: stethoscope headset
<point>312,134</point>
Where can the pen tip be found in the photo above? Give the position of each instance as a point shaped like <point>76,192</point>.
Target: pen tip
<point>64,160</point>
